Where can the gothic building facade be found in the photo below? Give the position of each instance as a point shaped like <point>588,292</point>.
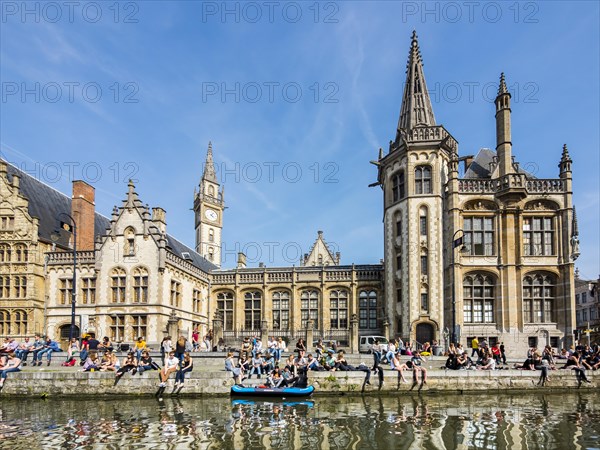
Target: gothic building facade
<point>483,252</point>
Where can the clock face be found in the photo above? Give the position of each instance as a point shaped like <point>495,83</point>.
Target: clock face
<point>211,215</point>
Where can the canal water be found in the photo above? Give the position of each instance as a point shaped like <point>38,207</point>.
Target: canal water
<point>519,421</point>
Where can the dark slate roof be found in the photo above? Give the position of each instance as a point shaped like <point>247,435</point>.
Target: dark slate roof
<point>179,248</point>
<point>46,203</point>
<point>480,167</point>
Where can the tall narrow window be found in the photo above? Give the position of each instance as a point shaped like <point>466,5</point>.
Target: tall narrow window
<point>398,261</point>
<point>398,186</point>
<point>252,310</point>
<point>398,226</point>
<point>424,265</point>
<point>309,307</point>
<point>196,300</point>
<point>424,301</point>
<point>140,326</point>
<point>20,287</point>
<point>118,285</point>
<point>21,253</point>
<point>478,298</point>
<point>423,222</point>
<point>4,322</point>
<point>129,242</point>
<point>338,309</point>
<point>65,291</point>
<point>20,327</point>
<point>88,290</point>
<point>4,286</point>
<point>117,328</point>
<point>5,253</point>
<point>538,236</point>
<point>140,285</point>
<point>538,298</point>
<point>7,222</point>
<point>175,294</point>
<point>281,310</point>
<point>423,180</point>
<point>225,309</point>
<point>367,310</point>
<point>479,235</point>
<point>211,254</point>
<point>211,235</point>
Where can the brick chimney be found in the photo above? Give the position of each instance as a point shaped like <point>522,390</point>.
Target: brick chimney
<point>83,211</point>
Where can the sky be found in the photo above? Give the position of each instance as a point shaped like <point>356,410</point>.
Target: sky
<point>297,98</point>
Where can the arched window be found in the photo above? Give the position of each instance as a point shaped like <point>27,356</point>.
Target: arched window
<point>225,309</point>
<point>424,298</point>
<point>338,309</point>
<point>4,323</point>
<point>423,180</point>
<point>398,191</point>
<point>478,298</point>
<point>211,254</point>
<point>20,327</point>
<point>538,298</point>
<point>423,222</point>
<point>281,310</point>
<point>211,235</point>
<point>129,242</point>
<point>140,285</point>
<point>367,310</point>
<point>118,278</point>
<point>252,310</point>
<point>5,253</point>
<point>211,190</point>
<point>309,307</point>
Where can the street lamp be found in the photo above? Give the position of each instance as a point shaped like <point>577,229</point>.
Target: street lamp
<point>69,227</point>
<point>456,242</point>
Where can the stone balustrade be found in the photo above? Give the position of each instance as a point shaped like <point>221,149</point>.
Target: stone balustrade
<point>511,181</point>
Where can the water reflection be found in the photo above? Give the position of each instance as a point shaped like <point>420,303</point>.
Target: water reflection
<point>435,422</point>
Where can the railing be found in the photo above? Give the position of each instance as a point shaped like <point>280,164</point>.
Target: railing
<point>435,133</point>
<point>511,181</point>
<point>85,256</point>
<point>223,278</point>
<point>369,274</point>
<point>338,275</point>
<point>279,276</point>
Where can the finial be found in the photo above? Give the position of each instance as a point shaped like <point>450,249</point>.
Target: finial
<point>565,152</point>
<point>502,88</point>
<point>575,224</point>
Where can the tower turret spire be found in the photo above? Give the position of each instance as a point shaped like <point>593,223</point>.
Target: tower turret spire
<point>209,167</point>
<point>565,162</point>
<point>503,129</point>
<point>416,107</point>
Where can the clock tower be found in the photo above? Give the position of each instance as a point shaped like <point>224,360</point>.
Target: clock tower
<point>208,210</point>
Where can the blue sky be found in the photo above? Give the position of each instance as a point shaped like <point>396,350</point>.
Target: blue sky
<point>102,92</point>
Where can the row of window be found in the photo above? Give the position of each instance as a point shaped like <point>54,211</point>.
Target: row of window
<point>7,222</point>
<point>127,327</point>
<point>479,294</point>
<point>13,287</point>
<point>582,315</point>
<point>16,253</point>
<point>422,183</point>
<point>310,309</point>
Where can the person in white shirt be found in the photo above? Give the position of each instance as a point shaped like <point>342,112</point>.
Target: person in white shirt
<point>171,364</point>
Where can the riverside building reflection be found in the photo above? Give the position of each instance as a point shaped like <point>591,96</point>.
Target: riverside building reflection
<point>436,422</point>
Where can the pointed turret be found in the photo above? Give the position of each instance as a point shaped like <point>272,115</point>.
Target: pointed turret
<point>416,107</point>
<point>209,167</point>
<point>565,163</point>
<point>575,225</point>
<point>503,131</point>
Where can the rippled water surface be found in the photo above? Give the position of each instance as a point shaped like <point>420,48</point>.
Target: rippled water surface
<point>553,421</point>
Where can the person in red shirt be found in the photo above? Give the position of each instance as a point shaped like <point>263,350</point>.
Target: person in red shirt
<point>496,353</point>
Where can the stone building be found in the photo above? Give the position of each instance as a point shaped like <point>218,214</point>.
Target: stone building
<point>487,251</point>
<point>587,309</point>
<point>489,254</point>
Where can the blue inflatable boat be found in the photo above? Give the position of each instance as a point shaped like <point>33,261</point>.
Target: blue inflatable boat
<point>255,391</point>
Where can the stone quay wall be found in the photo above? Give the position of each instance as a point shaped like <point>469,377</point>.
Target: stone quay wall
<point>218,382</point>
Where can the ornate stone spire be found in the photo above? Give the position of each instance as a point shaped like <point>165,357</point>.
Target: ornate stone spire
<point>565,161</point>
<point>209,166</point>
<point>416,107</point>
<point>575,226</point>
<point>503,129</point>
<point>502,89</point>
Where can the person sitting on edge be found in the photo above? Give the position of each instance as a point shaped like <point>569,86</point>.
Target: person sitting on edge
<point>109,362</point>
<point>146,363</point>
<point>130,364</point>
<point>92,362</point>
<point>275,379</point>
<point>341,363</point>
<point>105,344</point>
<point>417,363</point>
<point>23,350</point>
<point>246,348</point>
<point>256,365</point>
<point>229,364</point>
<point>312,363</point>
<point>426,349</point>
<point>401,367</point>
<point>186,366</point>
<point>300,361</point>
<point>329,363</point>
<point>140,346</point>
<point>487,362</point>
<point>12,365</point>
<point>171,364</point>
<point>268,363</point>
<point>49,347</point>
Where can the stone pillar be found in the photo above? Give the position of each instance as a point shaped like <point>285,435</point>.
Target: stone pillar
<point>217,329</point>
<point>310,325</point>
<point>354,334</point>
<point>386,328</point>
<point>264,333</point>
<point>172,329</point>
